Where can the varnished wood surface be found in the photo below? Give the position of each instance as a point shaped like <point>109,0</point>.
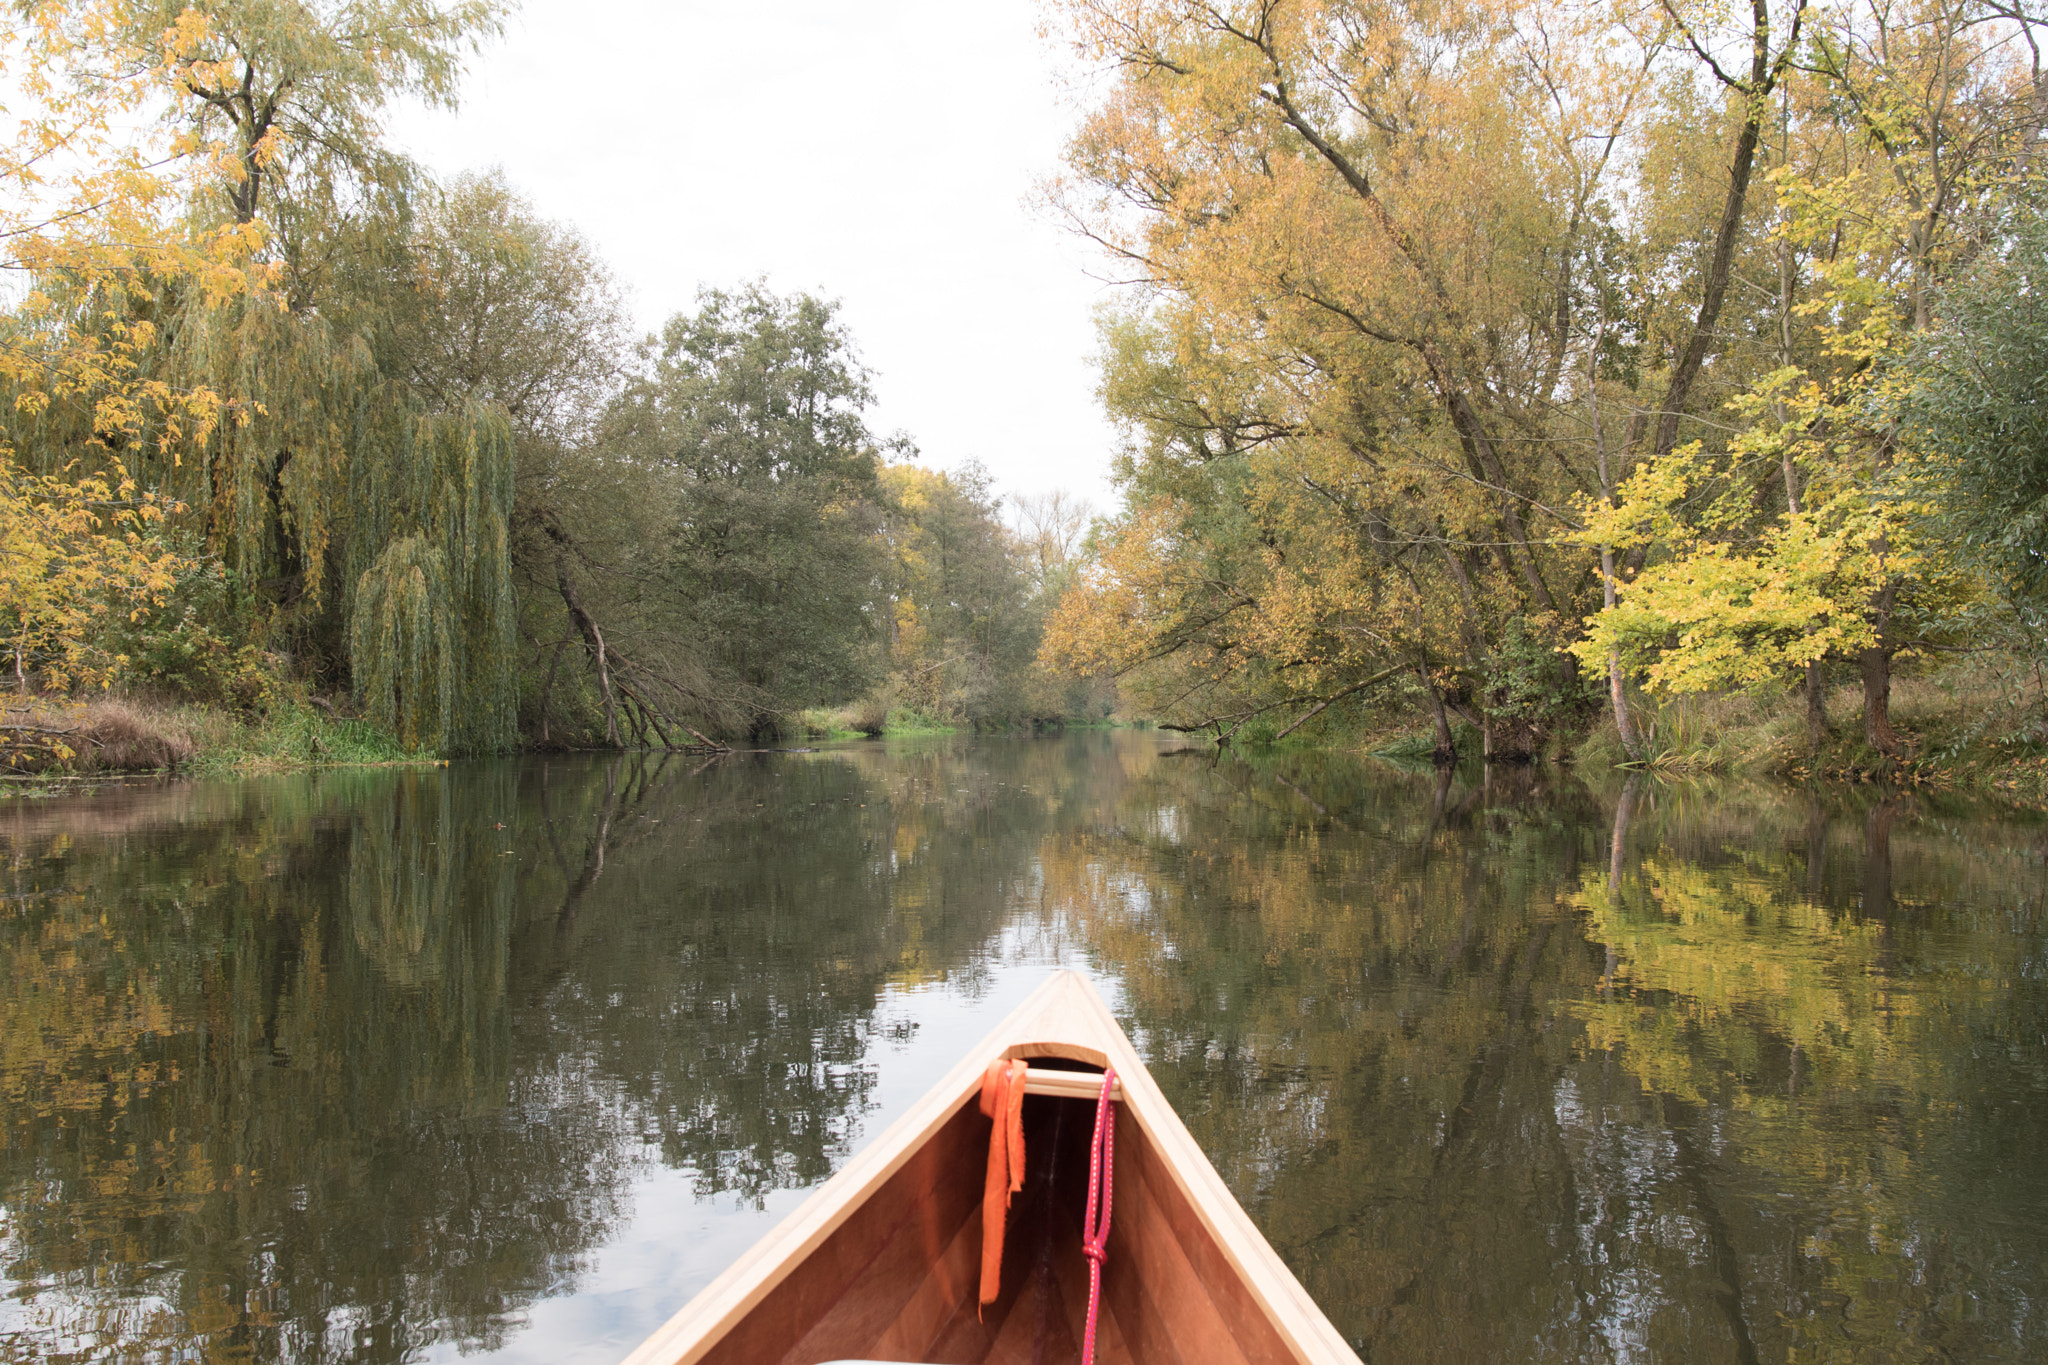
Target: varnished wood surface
<point>882,1263</point>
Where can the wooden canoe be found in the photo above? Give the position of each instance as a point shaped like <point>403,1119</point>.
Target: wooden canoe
<point>883,1262</point>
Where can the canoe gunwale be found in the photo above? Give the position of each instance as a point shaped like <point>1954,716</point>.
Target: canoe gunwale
<point>1064,1019</point>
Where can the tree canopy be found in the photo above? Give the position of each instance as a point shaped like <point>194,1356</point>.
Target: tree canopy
<point>1474,352</point>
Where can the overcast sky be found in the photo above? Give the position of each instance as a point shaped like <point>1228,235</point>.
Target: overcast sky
<point>880,152</point>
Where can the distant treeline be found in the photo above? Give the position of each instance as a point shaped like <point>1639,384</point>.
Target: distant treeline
<point>290,417</point>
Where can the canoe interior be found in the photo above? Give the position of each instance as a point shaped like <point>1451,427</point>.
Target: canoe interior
<point>897,1280</point>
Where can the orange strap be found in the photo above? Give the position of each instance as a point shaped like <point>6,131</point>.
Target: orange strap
<point>1002,1099</point>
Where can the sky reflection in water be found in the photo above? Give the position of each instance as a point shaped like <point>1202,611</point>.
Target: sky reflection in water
<point>511,1058</point>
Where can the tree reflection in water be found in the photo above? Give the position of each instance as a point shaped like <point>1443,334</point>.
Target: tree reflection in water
<point>1666,1073</point>
<point>332,1068</point>
<point>344,1066</point>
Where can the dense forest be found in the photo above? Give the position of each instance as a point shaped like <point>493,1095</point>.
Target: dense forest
<point>1515,369</point>
<point>291,420</point>
<point>1529,365</point>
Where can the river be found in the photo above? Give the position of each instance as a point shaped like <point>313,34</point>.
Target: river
<point>505,1060</point>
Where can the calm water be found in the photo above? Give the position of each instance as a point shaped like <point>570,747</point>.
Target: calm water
<point>510,1059</point>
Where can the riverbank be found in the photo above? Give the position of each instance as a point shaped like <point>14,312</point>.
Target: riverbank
<point>112,735</point>
<point>1962,730</point>
<point>1971,729</point>
<point>1967,731</point>
<point>59,739</point>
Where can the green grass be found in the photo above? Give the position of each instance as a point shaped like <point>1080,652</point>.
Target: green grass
<point>908,720</point>
<point>824,722</point>
<point>1419,746</point>
<point>289,736</point>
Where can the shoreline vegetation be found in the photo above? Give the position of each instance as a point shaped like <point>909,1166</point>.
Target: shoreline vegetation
<point>1722,450</point>
<point>58,740</point>
<point>1965,729</point>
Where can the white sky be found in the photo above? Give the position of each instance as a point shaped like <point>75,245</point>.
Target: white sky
<point>878,151</point>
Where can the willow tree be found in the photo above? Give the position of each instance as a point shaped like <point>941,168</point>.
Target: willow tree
<point>490,304</point>
<point>331,485</point>
<point>1975,409</point>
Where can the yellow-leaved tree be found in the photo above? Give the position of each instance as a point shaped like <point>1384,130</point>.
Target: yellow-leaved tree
<point>1807,536</point>
<point>214,229</point>
<point>101,206</point>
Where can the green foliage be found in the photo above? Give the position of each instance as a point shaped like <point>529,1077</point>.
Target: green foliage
<point>751,410</point>
<point>1529,690</point>
<point>756,388</point>
<point>196,646</point>
<point>290,735</point>
<point>961,633</point>
<point>1976,402</point>
<point>481,301</point>
<point>435,510</point>
<point>402,639</point>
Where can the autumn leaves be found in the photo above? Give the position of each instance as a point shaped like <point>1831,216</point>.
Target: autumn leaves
<point>1511,346</point>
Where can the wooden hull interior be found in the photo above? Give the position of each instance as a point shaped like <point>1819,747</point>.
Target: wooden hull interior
<point>898,1279</point>
<point>883,1263</point>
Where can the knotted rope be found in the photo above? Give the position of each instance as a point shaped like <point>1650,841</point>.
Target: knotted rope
<point>1101,1177</point>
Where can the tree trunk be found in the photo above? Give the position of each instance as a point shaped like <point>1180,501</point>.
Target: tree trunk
<point>1617,691</point>
<point>1446,747</point>
<point>547,689</point>
<point>1617,681</point>
<point>1764,70</point>
<point>1877,700</point>
<point>1816,706</point>
<point>593,640</point>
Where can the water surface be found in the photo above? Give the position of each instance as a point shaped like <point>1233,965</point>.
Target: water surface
<point>509,1059</point>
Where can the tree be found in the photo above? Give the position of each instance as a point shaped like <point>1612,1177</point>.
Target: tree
<point>295,93</point>
<point>1433,301</point>
<point>91,226</point>
<point>1051,529</point>
<point>336,488</point>
<point>757,403</point>
<point>1897,152</point>
<point>485,301</point>
<point>961,634</point>
<point>76,555</point>
<point>1397,258</point>
<point>1974,408</point>
<point>737,580</point>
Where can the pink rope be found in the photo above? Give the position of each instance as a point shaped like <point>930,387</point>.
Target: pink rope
<point>1102,1175</point>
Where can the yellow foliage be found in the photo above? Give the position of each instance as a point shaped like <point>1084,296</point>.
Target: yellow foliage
<point>100,189</point>
<point>75,553</point>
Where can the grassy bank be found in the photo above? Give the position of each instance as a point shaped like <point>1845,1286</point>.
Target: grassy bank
<point>55,738</point>
<point>1965,728</point>
<point>1970,728</point>
<point>288,737</point>
<point>111,735</point>
<point>868,721</point>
